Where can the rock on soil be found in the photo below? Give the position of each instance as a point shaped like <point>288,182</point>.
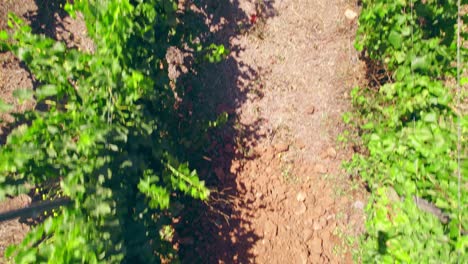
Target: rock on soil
<point>320,168</point>
<point>350,14</point>
<point>270,229</point>
<point>281,147</point>
<point>301,196</point>
<point>300,209</point>
<point>329,153</point>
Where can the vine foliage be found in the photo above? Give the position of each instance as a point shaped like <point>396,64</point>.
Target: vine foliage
<point>409,129</point>
<point>108,135</point>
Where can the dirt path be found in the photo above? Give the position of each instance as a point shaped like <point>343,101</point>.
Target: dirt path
<point>301,199</point>
<point>294,202</point>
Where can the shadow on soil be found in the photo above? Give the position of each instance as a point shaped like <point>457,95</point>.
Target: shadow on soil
<point>215,232</point>
<point>46,19</point>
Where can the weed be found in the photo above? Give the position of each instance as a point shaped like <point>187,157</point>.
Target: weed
<point>405,119</point>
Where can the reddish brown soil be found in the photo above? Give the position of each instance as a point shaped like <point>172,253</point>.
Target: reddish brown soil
<point>282,195</point>
<point>285,197</point>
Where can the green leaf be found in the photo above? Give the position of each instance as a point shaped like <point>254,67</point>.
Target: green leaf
<point>368,126</point>
<point>4,107</point>
<point>395,39</point>
<point>70,10</point>
<point>463,80</point>
<point>420,63</point>
<point>3,35</point>
<point>24,256</point>
<point>23,94</point>
<point>102,209</point>
<point>52,129</point>
<point>10,250</point>
<point>46,91</point>
<point>430,118</point>
<point>347,117</point>
<point>48,225</point>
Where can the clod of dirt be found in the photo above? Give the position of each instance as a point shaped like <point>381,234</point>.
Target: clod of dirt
<point>235,166</point>
<point>307,235</point>
<point>270,229</point>
<point>279,193</point>
<point>350,14</point>
<point>319,224</point>
<point>281,147</point>
<point>329,153</point>
<point>269,153</point>
<point>259,195</point>
<point>320,168</point>
<point>358,205</point>
<point>300,144</point>
<point>175,61</point>
<point>324,259</point>
<point>310,110</point>
<point>303,256</point>
<point>317,212</point>
<point>301,196</point>
<point>315,247</point>
<point>301,209</point>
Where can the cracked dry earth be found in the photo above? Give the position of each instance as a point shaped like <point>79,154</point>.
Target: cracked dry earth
<point>296,203</point>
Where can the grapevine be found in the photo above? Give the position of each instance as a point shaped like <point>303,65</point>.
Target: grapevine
<point>108,136</point>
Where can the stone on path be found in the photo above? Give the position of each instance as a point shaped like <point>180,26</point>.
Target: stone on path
<point>350,14</point>
<point>301,196</point>
<point>270,229</point>
<point>301,209</point>
<point>281,147</point>
<point>320,168</point>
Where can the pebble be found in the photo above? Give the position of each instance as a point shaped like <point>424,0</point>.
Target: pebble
<point>331,153</point>
<point>259,195</point>
<point>270,229</point>
<point>310,110</point>
<point>350,14</point>
<point>307,235</point>
<point>358,205</point>
<point>320,168</point>
<point>300,144</point>
<point>319,224</point>
<point>315,246</point>
<point>301,209</point>
<point>281,147</point>
<point>301,196</point>
<point>303,257</point>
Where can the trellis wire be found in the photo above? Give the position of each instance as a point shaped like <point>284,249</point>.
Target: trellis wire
<point>459,123</point>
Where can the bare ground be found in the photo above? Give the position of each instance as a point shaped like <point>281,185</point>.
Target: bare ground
<point>303,201</point>
<point>293,202</point>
